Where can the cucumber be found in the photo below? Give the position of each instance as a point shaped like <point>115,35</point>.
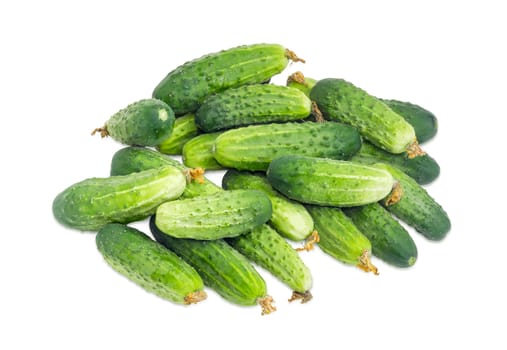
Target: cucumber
<point>423,169</point>
<point>389,240</point>
<point>90,204</point>
<point>198,152</point>
<point>268,249</point>
<point>134,159</point>
<point>289,218</point>
<point>144,123</point>
<point>254,147</point>
<point>147,263</point>
<point>416,207</point>
<point>187,86</point>
<point>221,267</point>
<point>252,104</point>
<point>329,182</point>
<point>298,81</point>
<point>340,238</point>
<point>184,129</point>
<point>220,215</point>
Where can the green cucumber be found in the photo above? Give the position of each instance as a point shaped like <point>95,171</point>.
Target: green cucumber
<point>416,207</point>
<point>187,86</point>
<point>184,129</point>
<point>198,152</point>
<point>254,147</point>
<point>422,169</point>
<point>144,123</point>
<point>148,264</point>
<point>289,218</point>
<point>221,267</point>
<point>90,204</point>
<point>268,249</point>
<point>134,159</point>
<point>329,182</point>
<point>389,240</point>
<point>340,238</point>
<point>252,104</point>
<point>220,215</point>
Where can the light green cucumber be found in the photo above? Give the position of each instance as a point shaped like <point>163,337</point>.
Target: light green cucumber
<point>198,152</point>
<point>184,129</point>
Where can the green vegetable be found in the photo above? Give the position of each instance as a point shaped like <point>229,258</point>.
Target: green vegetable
<point>184,130</point>
<point>198,152</point>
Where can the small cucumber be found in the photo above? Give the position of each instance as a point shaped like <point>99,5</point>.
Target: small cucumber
<point>340,238</point>
<point>90,204</point>
<point>198,152</point>
<point>252,104</point>
<point>143,123</point>
<point>390,241</point>
<point>220,215</point>
<point>254,147</point>
<point>328,182</point>
<point>289,218</point>
<point>148,264</point>
<point>422,169</point>
<point>184,129</point>
<point>416,207</point>
<point>221,267</point>
<point>187,86</point>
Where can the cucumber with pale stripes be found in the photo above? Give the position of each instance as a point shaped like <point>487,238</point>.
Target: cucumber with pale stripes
<point>198,152</point>
<point>184,129</point>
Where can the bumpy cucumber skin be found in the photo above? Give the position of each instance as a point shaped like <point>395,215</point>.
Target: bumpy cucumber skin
<point>254,147</point>
<point>252,104</point>
<point>268,249</point>
<point>328,182</point>
<point>221,267</point>
<point>143,123</point>
<point>341,101</point>
<point>339,237</point>
<point>90,204</point>
<point>417,208</point>
<point>198,152</point>
<point>184,129</point>
<point>224,214</point>
<point>186,87</point>
<point>134,159</point>
<point>289,218</point>
<point>424,122</point>
<point>147,263</point>
<point>390,241</point>
<point>423,169</point>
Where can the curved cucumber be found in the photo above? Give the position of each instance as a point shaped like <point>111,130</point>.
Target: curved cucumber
<point>329,182</point>
<point>252,104</point>
<point>223,214</point>
<point>143,123</point>
<point>254,147</point>
<point>90,204</point>
<point>198,152</point>
<point>184,129</point>
<point>289,218</point>
<point>148,264</point>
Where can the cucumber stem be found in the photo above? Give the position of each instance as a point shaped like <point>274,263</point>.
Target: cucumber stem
<point>195,297</point>
<point>196,174</point>
<point>297,77</point>
<point>266,304</point>
<point>310,242</point>
<point>293,57</point>
<point>395,195</point>
<point>304,297</point>
<point>317,114</point>
<point>414,150</point>
<point>103,131</point>
<point>365,263</point>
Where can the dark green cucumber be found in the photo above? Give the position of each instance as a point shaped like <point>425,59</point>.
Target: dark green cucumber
<point>329,182</point>
<point>184,129</point>
<point>187,86</point>
<point>416,207</point>
<point>220,215</point>
<point>389,240</point>
<point>90,204</point>
<point>289,218</point>
<point>148,264</point>
<point>221,267</point>
<point>340,238</point>
<point>254,147</point>
<point>252,104</point>
<point>134,159</point>
<point>423,121</point>
<point>198,152</point>
<point>143,123</point>
<point>422,169</point>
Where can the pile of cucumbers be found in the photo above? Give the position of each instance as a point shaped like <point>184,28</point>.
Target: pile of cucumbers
<point>318,162</point>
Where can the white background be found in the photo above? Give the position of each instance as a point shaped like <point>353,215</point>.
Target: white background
<point>65,67</point>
